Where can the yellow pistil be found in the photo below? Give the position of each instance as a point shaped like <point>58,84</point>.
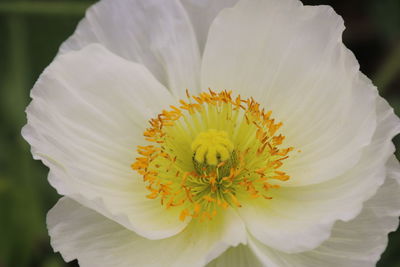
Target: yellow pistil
<point>210,153</point>
<point>212,145</point>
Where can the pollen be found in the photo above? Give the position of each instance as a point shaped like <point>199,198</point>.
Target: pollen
<point>210,153</point>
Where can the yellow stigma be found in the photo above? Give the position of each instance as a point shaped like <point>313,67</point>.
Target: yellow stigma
<point>212,146</point>
<point>210,153</point>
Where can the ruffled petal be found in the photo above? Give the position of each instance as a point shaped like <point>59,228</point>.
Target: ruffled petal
<point>87,116</point>
<point>155,33</point>
<point>291,59</point>
<point>300,218</point>
<point>202,14</point>
<point>356,243</point>
<point>81,233</point>
<point>240,256</point>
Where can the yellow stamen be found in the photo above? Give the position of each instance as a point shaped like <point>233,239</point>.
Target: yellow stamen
<point>208,155</point>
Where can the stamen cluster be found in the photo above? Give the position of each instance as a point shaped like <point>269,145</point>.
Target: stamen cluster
<point>243,163</point>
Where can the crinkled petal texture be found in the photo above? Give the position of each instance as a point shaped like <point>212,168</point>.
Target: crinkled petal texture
<point>300,218</point>
<point>291,58</point>
<point>87,116</point>
<point>356,243</point>
<point>83,234</point>
<point>155,33</point>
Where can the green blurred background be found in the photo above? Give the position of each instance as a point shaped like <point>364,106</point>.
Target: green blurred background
<point>30,34</point>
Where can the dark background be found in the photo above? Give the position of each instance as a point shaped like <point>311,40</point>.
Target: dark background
<point>30,34</point>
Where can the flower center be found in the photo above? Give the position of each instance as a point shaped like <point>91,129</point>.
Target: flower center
<point>212,147</point>
<point>213,152</point>
<point>235,154</point>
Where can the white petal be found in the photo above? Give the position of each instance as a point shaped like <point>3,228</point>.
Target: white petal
<point>87,116</point>
<point>155,33</point>
<point>394,168</point>
<point>80,233</point>
<point>291,59</point>
<point>300,218</point>
<point>240,256</point>
<point>202,13</point>
<point>359,242</point>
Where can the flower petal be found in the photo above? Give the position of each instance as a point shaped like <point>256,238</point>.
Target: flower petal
<point>155,33</point>
<point>202,13</point>
<point>80,233</point>
<point>290,58</point>
<point>87,116</point>
<point>240,256</point>
<point>300,218</point>
<point>359,242</point>
<point>394,168</point>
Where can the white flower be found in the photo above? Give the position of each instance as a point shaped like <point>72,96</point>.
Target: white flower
<point>214,179</point>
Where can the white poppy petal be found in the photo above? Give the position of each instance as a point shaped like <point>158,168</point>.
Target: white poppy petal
<point>202,13</point>
<point>394,168</point>
<point>359,242</point>
<point>291,59</point>
<point>80,233</point>
<point>300,218</point>
<point>155,33</point>
<point>130,60</point>
<point>240,256</point>
<point>87,116</point>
